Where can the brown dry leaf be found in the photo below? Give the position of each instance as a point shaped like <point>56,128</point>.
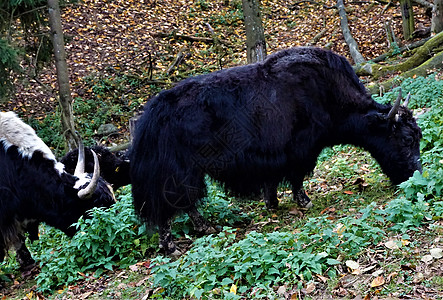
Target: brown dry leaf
<point>378,281</point>
<point>281,290</point>
<point>310,287</point>
<point>322,278</point>
<point>390,276</point>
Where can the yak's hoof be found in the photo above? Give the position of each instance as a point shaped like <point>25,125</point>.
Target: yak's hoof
<point>205,230</point>
<point>210,230</point>
<point>271,205</point>
<point>169,248</point>
<point>307,206</point>
<point>176,253</point>
<point>303,200</point>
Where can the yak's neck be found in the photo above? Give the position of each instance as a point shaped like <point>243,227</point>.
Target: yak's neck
<point>354,131</point>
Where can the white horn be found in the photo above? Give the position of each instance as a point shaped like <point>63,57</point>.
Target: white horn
<point>394,109</point>
<point>80,167</point>
<point>408,97</point>
<point>88,191</point>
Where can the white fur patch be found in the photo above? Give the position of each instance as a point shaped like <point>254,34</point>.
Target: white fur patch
<point>13,131</point>
<point>84,179</point>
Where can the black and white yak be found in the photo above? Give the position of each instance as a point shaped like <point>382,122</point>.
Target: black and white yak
<point>257,125</point>
<point>35,188</point>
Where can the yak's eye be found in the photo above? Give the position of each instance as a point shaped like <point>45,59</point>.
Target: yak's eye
<point>408,140</point>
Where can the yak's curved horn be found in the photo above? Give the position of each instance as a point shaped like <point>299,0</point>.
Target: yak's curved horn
<point>80,167</point>
<point>408,97</point>
<point>394,109</point>
<point>90,189</point>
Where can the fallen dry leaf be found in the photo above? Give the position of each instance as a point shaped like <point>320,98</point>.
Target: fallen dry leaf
<point>427,258</point>
<point>391,244</point>
<point>310,287</point>
<point>378,281</point>
<point>281,290</point>
<point>352,264</point>
<point>436,253</point>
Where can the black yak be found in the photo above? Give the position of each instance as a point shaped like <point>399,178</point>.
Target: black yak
<point>113,168</point>
<point>35,188</point>
<point>257,125</point>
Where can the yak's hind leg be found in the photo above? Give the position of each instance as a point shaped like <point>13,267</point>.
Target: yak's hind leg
<point>182,196</point>
<point>23,255</point>
<point>302,199</point>
<point>270,195</point>
<point>166,241</point>
<point>299,197</point>
<point>201,225</point>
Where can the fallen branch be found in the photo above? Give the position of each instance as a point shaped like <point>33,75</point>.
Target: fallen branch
<point>421,54</point>
<point>178,59</point>
<point>319,35</point>
<point>352,44</point>
<point>312,2</point>
<point>424,3</point>
<point>436,62</point>
<point>401,50</point>
<point>189,38</point>
<point>120,147</point>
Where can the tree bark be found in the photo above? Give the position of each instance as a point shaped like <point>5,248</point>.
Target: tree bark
<point>437,17</point>
<point>255,36</point>
<point>65,99</point>
<point>352,44</point>
<point>408,18</point>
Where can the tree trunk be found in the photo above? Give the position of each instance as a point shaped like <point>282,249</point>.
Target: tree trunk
<point>65,99</point>
<point>437,17</point>
<point>408,18</point>
<point>255,36</point>
<point>352,44</point>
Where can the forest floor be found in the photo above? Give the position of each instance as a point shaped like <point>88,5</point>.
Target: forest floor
<point>141,39</point>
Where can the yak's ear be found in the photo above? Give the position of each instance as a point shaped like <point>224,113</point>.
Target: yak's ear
<point>376,120</point>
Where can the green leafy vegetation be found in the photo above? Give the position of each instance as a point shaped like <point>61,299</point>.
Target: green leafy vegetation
<point>112,237</point>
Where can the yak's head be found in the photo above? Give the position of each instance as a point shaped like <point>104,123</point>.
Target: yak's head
<point>86,191</point>
<point>92,187</point>
<point>113,168</point>
<point>397,138</point>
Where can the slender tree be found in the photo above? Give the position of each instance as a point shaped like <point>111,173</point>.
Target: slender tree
<point>65,98</point>
<point>408,18</point>
<point>437,17</point>
<point>255,36</point>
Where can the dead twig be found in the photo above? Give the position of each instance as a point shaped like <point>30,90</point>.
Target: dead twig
<point>188,38</point>
<point>178,59</point>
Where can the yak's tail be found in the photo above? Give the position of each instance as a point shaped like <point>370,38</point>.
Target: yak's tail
<point>164,181</point>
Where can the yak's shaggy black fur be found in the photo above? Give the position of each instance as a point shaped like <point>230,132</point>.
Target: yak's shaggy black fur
<point>257,124</point>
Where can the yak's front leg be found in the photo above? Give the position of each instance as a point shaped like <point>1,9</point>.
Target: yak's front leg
<point>201,225</point>
<point>270,195</point>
